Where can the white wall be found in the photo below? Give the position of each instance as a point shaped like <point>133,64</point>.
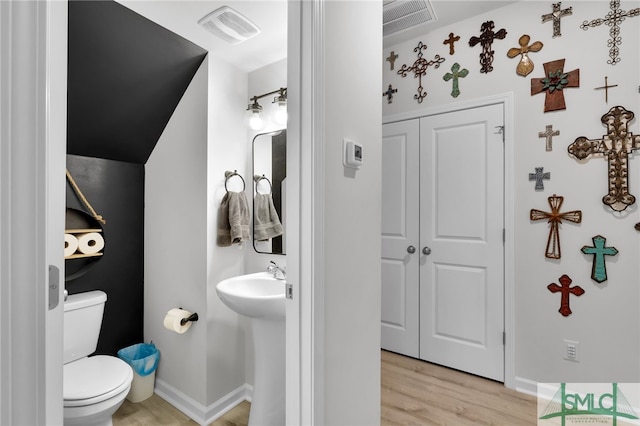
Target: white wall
<point>606,316</point>
<point>351,213</point>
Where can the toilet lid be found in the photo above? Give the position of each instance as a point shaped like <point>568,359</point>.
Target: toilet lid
<point>95,376</point>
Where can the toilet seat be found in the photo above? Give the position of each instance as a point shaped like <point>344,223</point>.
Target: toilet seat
<point>94,379</point>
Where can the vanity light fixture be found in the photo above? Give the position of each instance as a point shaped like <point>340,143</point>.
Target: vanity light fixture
<point>255,117</point>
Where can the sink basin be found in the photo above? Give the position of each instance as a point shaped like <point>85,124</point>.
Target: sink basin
<point>257,295</point>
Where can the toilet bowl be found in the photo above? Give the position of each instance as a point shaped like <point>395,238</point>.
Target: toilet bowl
<point>94,387</point>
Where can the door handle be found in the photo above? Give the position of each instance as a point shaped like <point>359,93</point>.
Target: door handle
<point>411,249</point>
<point>426,250</point>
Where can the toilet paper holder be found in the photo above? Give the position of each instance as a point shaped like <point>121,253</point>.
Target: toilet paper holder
<point>193,318</point>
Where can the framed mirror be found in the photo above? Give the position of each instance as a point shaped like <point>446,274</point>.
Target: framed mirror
<point>269,180</point>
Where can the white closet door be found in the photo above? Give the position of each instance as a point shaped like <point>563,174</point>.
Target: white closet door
<point>461,227</point>
<point>400,236</point>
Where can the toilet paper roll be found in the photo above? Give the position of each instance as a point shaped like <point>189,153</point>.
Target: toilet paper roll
<point>70,244</point>
<point>172,320</point>
<point>90,243</point>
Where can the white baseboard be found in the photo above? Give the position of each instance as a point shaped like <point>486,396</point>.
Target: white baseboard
<point>199,413</point>
<point>527,386</point>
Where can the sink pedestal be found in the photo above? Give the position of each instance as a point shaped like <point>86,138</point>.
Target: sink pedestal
<point>268,401</point>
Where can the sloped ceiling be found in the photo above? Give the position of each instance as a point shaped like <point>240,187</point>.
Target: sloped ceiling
<point>126,75</point>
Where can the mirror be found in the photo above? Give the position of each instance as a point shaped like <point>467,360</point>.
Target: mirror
<point>269,180</point>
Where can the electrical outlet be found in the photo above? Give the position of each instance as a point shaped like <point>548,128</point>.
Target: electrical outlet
<point>571,350</point>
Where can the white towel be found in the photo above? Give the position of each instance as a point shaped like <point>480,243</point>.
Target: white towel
<point>233,219</point>
<point>266,223</point>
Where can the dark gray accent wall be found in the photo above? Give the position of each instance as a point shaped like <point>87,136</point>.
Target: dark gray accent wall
<point>115,190</point>
<point>126,77</point>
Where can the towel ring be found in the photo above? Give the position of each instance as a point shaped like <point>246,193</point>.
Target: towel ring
<point>229,174</point>
<point>257,179</point>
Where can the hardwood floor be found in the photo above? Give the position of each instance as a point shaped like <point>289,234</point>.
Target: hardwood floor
<point>413,392</point>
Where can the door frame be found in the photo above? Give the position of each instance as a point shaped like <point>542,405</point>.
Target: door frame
<point>507,100</point>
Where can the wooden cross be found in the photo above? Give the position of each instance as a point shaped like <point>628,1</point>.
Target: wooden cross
<point>452,39</point>
<point>555,218</point>
<point>538,176</point>
<point>565,289</point>
<point>616,145</point>
<point>419,68</point>
<point>599,251</point>
<point>392,59</point>
<point>553,83</point>
<point>455,74</point>
<point>549,134</point>
<point>606,89</point>
<point>486,40</point>
<point>525,66</point>
<point>613,19</point>
<point>556,15</point>
<point>389,94</point>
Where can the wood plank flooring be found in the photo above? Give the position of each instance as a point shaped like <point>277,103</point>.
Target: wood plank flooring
<point>413,392</point>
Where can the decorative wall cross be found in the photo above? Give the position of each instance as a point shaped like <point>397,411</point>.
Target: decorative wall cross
<point>486,40</point>
<point>616,145</point>
<point>555,218</point>
<point>556,15</point>
<point>548,134</point>
<point>565,290</point>
<point>419,68</point>
<point>452,39</point>
<point>454,75</point>
<point>554,83</point>
<point>538,176</point>
<point>525,66</point>
<point>599,251</point>
<point>613,19</point>
<point>606,88</point>
<point>389,93</point>
<point>392,59</point>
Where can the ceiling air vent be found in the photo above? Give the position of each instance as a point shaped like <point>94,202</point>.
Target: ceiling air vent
<point>229,25</point>
<point>398,15</point>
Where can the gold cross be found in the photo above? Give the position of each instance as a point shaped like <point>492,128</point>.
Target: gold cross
<point>392,59</point>
<point>555,218</point>
<point>556,15</point>
<point>450,42</point>
<point>606,89</point>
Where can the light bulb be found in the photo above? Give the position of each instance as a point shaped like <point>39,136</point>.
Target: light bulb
<point>254,117</point>
<point>279,111</point>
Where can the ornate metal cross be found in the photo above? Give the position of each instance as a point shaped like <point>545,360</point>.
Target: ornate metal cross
<point>549,134</point>
<point>486,40</point>
<point>599,251</point>
<point>606,88</point>
<point>565,289</point>
<point>538,176</point>
<point>455,74</point>
<point>555,218</point>
<point>419,68</point>
<point>392,59</point>
<point>452,39</point>
<point>553,83</point>
<point>389,93</point>
<point>525,66</point>
<point>616,145</point>
<point>556,15</point>
<point>613,19</point>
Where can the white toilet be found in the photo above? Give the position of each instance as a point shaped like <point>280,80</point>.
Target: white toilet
<point>93,387</point>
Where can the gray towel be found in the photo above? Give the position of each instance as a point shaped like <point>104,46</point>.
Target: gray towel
<point>233,219</point>
<point>266,223</point>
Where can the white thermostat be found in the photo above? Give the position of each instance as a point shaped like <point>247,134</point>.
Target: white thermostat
<point>352,154</point>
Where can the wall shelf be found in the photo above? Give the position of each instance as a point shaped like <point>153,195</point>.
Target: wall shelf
<point>81,256</point>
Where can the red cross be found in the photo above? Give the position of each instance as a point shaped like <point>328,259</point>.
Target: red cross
<point>565,289</point>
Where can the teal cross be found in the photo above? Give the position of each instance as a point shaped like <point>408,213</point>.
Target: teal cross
<point>455,73</point>
<point>599,269</point>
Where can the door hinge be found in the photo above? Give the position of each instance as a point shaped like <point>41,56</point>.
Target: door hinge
<point>504,235</point>
<point>289,290</point>
<point>500,131</point>
<point>504,338</point>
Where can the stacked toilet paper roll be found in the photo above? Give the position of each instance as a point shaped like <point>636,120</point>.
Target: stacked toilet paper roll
<point>70,244</point>
<point>173,318</point>
<point>90,243</point>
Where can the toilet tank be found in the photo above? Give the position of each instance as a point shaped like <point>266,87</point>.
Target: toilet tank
<point>82,322</point>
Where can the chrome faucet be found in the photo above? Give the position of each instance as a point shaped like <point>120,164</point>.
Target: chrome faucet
<point>278,272</point>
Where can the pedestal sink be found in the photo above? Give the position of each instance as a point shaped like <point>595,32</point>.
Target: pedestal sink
<point>261,297</point>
